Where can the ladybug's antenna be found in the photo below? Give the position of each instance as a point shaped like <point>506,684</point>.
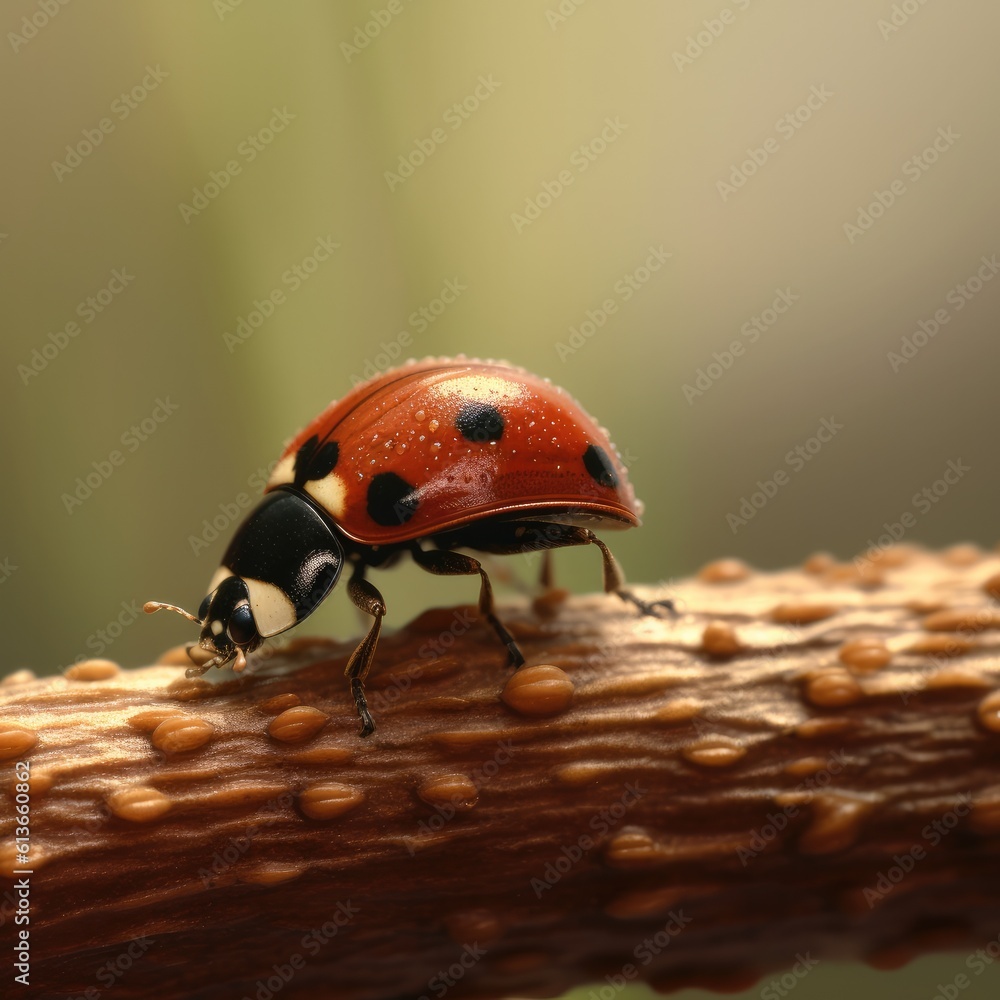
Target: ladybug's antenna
<point>150,607</point>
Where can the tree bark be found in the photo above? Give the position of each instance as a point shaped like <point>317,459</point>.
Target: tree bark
<point>797,766</point>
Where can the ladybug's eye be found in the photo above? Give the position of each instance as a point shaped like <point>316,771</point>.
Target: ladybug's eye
<point>242,627</point>
<point>203,608</point>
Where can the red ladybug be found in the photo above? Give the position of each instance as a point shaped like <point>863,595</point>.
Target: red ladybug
<point>457,453</point>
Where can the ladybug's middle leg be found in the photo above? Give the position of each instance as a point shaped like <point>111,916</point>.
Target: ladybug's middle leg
<point>546,575</point>
<point>447,563</point>
<point>366,598</point>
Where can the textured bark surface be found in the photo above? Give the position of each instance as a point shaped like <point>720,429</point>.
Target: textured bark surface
<point>694,800</point>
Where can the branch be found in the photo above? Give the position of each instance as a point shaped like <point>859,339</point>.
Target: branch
<point>800,762</point>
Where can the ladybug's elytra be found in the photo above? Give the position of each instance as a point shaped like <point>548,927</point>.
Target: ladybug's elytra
<point>457,453</point>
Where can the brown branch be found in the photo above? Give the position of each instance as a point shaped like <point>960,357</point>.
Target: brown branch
<point>803,761</point>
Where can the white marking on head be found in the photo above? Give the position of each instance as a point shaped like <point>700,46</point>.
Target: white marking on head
<point>220,574</point>
<point>217,627</point>
<point>273,610</point>
<point>329,492</point>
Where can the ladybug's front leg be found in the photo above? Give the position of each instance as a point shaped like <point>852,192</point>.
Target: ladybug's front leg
<point>366,598</point>
<point>448,563</point>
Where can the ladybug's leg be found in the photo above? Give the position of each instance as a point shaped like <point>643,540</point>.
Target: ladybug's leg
<point>530,536</point>
<point>614,580</point>
<point>546,578</point>
<point>367,598</point>
<point>447,563</point>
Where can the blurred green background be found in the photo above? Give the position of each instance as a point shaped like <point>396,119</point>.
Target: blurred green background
<point>615,194</point>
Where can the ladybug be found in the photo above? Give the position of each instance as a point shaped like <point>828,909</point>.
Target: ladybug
<point>451,453</point>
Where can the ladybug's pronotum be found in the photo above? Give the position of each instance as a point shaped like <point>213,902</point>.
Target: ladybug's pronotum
<point>455,453</point>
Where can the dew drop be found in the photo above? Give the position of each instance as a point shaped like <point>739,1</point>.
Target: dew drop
<point>138,803</point>
<point>328,800</point>
<point>819,562</point>
<point>833,688</point>
<point>989,712</point>
<point>865,655</point>
<point>92,670</point>
<point>433,425</point>
<point>297,724</point>
<point>724,571</point>
<point>720,640</point>
<point>992,586</point>
<point>455,790</point>
<point>15,740</point>
<point>180,733</point>
<point>541,689</point>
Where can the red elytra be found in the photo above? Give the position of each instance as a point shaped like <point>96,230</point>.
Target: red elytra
<point>463,441</point>
<point>456,453</point>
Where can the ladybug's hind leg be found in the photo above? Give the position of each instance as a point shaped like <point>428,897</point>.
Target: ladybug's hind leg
<point>531,536</point>
<point>614,580</point>
<point>366,598</point>
<point>447,563</point>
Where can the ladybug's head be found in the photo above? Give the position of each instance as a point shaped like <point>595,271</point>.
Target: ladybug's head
<point>283,560</point>
<point>229,628</point>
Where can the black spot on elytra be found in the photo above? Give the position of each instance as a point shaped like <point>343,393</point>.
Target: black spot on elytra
<point>480,422</point>
<point>392,501</point>
<point>315,462</point>
<point>597,463</point>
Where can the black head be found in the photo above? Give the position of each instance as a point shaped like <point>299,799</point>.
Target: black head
<point>229,624</point>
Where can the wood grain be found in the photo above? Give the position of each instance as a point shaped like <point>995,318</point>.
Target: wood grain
<point>799,762</point>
